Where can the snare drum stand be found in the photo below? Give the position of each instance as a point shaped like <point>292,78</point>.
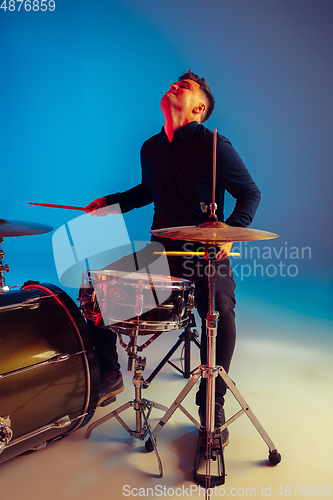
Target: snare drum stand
<point>186,337</point>
<point>142,407</point>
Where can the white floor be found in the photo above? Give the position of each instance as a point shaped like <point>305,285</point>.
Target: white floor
<point>286,381</point>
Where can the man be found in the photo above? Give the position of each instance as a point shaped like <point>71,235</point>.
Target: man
<point>177,177</point>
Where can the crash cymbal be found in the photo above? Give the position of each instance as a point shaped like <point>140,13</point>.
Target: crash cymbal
<point>22,228</point>
<point>213,232</point>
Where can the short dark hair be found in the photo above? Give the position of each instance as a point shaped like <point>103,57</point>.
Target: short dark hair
<point>188,75</point>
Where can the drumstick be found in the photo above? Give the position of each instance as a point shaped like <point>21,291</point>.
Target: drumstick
<point>195,254</point>
<point>57,206</point>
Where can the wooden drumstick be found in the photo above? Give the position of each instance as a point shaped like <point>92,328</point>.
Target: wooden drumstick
<point>57,206</point>
<point>190,254</point>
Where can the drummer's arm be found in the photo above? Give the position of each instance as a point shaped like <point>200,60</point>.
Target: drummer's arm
<point>234,176</point>
<point>137,197</point>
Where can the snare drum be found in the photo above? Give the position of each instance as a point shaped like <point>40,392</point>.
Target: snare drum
<point>49,379</point>
<point>136,301</point>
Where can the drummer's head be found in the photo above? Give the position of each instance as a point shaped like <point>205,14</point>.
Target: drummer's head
<point>191,95</point>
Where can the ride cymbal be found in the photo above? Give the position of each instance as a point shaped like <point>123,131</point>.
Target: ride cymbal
<point>213,233</point>
<point>22,228</point>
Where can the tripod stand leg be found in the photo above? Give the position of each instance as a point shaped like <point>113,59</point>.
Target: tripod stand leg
<point>152,441</point>
<point>176,404</point>
<point>187,336</point>
<point>274,457</point>
<point>187,354</point>
<point>162,363</point>
<point>107,417</point>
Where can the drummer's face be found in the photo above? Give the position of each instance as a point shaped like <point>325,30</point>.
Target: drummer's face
<point>184,96</point>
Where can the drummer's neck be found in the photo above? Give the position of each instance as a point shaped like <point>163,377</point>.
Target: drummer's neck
<point>174,122</point>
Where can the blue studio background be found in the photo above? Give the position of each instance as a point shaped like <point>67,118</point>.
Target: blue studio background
<point>80,91</point>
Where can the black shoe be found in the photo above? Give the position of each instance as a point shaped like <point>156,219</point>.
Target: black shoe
<point>109,388</point>
<point>219,421</point>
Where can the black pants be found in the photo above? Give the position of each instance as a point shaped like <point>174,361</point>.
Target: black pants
<point>194,270</point>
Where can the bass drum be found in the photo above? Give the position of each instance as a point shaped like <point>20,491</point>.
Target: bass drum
<point>49,375</point>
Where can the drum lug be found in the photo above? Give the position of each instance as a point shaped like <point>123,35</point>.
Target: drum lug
<point>190,302</point>
<point>139,304</point>
<point>6,432</point>
<point>179,306</point>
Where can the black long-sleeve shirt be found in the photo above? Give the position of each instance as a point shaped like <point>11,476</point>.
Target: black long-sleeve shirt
<point>177,177</point>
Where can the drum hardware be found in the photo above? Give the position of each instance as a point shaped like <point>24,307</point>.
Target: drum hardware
<point>6,432</point>
<point>60,423</point>
<point>16,228</point>
<point>210,371</point>
<point>55,359</point>
<point>3,269</point>
<point>132,348</point>
<point>29,303</point>
<point>186,337</point>
<point>274,457</point>
<point>142,407</point>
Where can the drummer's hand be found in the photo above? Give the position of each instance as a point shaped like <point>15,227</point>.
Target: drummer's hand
<point>223,252</point>
<point>98,207</point>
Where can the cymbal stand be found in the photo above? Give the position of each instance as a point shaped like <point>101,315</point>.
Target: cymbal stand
<point>142,407</point>
<point>213,451</point>
<point>3,269</point>
<point>210,372</point>
<point>212,436</point>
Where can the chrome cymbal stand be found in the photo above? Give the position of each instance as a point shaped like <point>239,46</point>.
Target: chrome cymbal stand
<point>142,407</point>
<point>210,452</point>
<point>3,269</point>
<point>213,449</point>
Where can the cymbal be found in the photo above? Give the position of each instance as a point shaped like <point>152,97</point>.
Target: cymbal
<point>22,228</point>
<point>213,232</point>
